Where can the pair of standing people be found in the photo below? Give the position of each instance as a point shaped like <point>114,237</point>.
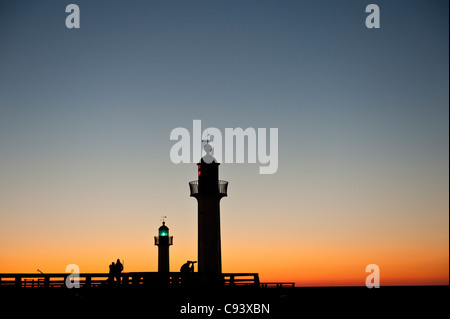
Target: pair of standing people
<point>114,271</point>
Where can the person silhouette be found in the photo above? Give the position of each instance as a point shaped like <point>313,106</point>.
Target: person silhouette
<point>187,268</point>
<point>187,271</point>
<point>118,270</point>
<point>112,270</point>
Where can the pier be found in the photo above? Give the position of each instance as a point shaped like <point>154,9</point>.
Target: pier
<point>132,279</point>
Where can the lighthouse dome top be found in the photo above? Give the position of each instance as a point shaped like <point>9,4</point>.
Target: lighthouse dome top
<point>163,226</point>
<point>208,158</point>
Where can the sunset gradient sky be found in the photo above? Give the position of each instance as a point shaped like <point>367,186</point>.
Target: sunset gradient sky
<point>362,114</point>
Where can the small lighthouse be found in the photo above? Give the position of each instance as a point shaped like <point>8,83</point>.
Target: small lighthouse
<point>209,190</point>
<point>163,241</point>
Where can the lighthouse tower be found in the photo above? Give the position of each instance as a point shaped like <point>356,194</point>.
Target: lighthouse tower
<point>163,241</point>
<point>209,190</point>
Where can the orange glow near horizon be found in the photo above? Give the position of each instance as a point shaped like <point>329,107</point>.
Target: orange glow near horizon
<point>306,265</point>
<point>309,273</point>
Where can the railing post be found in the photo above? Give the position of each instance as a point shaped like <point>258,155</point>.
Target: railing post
<point>135,279</point>
<point>232,282</point>
<point>46,281</point>
<point>88,281</point>
<point>256,279</point>
<point>125,280</point>
<point>18,281</point>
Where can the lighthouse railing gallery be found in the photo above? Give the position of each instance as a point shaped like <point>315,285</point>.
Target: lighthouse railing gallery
<point>222,187</point>
<point>169,240</point>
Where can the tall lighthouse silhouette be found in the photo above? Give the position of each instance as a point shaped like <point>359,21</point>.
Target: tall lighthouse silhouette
<point>209,190</point>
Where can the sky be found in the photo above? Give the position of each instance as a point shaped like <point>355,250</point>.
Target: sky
<point>363,136</point>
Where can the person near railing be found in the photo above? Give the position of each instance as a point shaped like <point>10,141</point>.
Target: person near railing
<point>188,267</point>
<point>112,269</point>
<point>186,270</point>
<point>119,268</point>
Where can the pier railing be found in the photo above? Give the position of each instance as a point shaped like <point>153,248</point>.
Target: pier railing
<point>277,284</point>
<point>130,279</point>
<point>241,279</point>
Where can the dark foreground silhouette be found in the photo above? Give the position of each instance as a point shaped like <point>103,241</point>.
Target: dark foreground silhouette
<point>118,301</point>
